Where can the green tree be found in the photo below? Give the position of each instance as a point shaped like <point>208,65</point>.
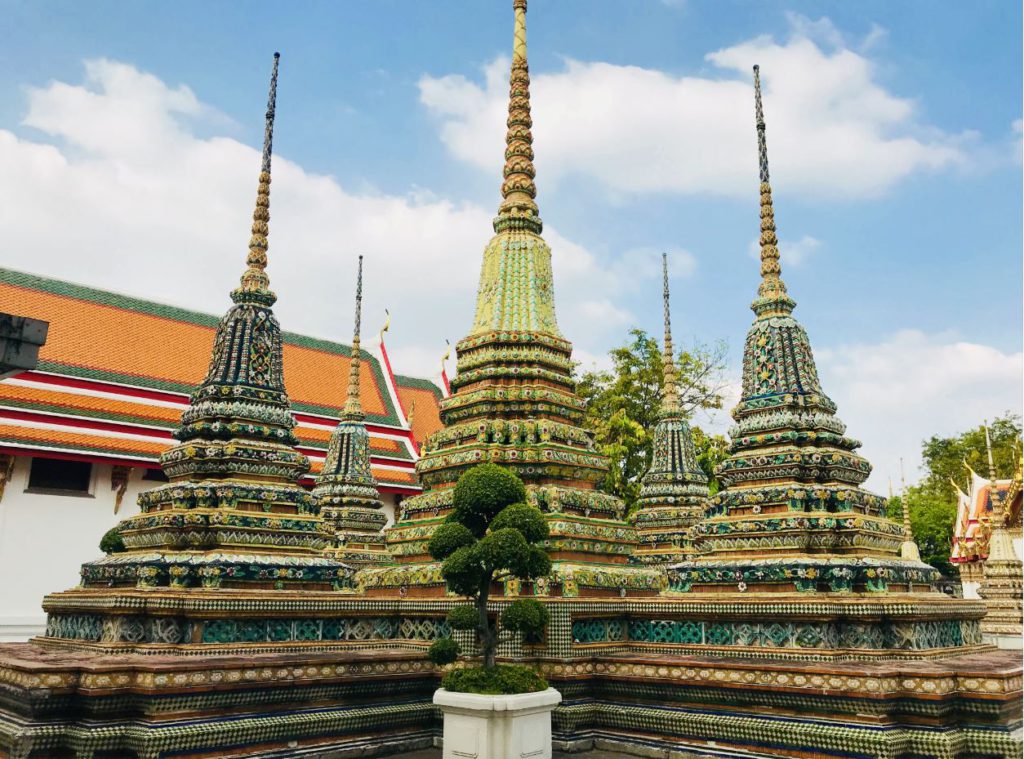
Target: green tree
<point>944,457</point>
<point>623,405</point>
<point>491,535</point>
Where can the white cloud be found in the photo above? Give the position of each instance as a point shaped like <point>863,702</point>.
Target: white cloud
<point>896,393</point>
<point>119,192</point>
<point>833,129</point>
<point>792,253</point>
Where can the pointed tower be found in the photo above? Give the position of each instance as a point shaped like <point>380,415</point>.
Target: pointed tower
<point>1001,583</point>
<point>792,518</point>
<point>514,403</point>
<point>674,491</point>
<point>232,514</point>
<point>908,548</point>
<point>346,492</point>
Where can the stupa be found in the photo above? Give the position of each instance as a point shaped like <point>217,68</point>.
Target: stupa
<point>229,609</point>
<point>674,490</point>
<point>791,516</point>
<point>346,493</point>
<point>1003,573</point>
<point>514,403</point>
<point>232,514</point>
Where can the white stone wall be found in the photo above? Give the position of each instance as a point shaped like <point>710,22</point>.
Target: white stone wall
<point>971,588</point>
<point>45,538</point>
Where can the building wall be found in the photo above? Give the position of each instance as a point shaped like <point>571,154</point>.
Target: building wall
<point>45,538</point>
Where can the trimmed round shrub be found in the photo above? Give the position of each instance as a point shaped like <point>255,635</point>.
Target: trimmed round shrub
<point>464,617</point>
<point>482,492</point>
<point>527,616</point>
<point>449,538</point>
<point>463,571</point>
<point>538,562</point>
<point>503,679</point>
<point>505,549</point>
<point>443,651</point>
<point>112,542</point>
<point>527,519</point>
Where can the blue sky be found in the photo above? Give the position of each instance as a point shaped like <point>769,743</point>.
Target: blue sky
<point>893,128</point>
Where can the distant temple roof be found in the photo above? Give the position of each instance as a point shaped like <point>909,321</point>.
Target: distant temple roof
<point>116,373</point>
<point>974,513</point>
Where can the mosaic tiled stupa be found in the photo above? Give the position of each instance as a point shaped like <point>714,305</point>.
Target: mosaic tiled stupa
<point>232,514</point>
<point>674,491</point>
<point>791,516</point>
<point>514,403</point>
<point>346,493</point>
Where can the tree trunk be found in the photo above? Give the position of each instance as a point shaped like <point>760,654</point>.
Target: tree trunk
<point>488,633</point>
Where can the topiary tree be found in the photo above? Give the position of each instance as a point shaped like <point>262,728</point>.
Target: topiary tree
<point>112,542</point>
<point>491,535</point>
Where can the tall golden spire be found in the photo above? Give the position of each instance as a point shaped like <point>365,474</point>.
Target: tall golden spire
<point>772,298</point>
<point>1000,547</point>
<point>518,207</point>
<point>353,407</point>
<point>670,389</point>
<point>255,282</point>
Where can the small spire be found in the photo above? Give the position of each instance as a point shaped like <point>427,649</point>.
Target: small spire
<point>518,208</point>
<point>353,407</point>
<point>997,506</point>
<point>670,388</point>
<point>772,298</point>
<point>255,286</point>
<point>909,549</point>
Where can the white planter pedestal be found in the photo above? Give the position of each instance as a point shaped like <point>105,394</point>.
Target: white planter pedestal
<point>497,727</point>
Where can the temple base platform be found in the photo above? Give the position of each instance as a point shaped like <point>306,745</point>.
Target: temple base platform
<point>59,703</point>
<point>204,673</point>
<point>701,706</point>
<point>55,703</point>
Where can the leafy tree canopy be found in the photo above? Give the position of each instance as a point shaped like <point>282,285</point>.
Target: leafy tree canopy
<point>623,406</point>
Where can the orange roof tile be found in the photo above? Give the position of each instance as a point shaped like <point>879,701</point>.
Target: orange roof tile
<point>101,345</point>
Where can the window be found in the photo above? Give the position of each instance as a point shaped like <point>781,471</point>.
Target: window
<point>60,477</point>
<point>154,475</point>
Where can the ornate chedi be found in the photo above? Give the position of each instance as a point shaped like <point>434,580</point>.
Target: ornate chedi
<point>513,403</point>
<point>232,514</point>
<point>1003,573</point>
<point>674,490</point>
<point>225,614</point>
<point>791,516</point>
<point>346,493</point>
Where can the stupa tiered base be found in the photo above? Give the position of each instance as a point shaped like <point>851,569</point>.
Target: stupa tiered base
<point>56,702</point>
<point>720,676</point>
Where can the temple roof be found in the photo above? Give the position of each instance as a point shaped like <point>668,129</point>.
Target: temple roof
<point>974,515</point>
<point>116,373</point>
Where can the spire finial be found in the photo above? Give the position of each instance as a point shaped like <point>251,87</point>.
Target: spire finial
<point>353,407</point>
<point>772,298</point>
<point>518,208</point>
<point>670,388</point>
<point>255,285</point>
<point>997,510</point>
